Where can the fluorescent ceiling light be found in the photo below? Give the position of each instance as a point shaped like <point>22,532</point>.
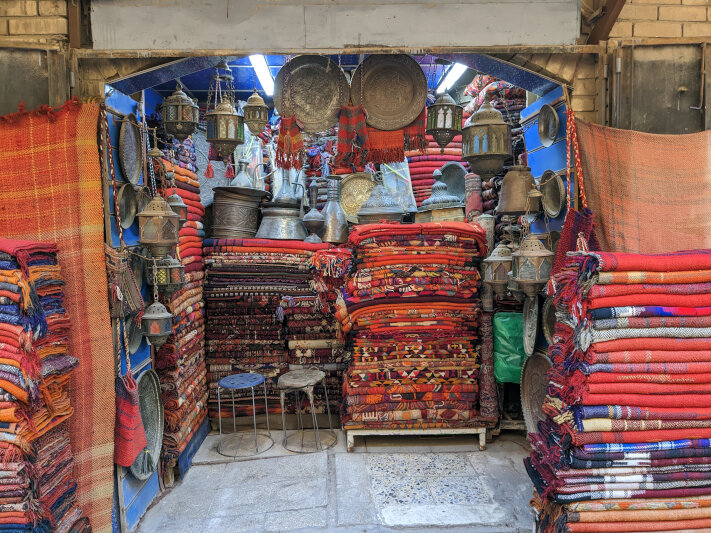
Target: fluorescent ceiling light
<point>265,77</point>
<point>453,74</point>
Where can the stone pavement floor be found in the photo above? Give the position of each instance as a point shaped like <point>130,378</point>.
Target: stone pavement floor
<point>386,484</point>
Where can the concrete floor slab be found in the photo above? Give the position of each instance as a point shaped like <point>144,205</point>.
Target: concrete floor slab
<point>395,485</point>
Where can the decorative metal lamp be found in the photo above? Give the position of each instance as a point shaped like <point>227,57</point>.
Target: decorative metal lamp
<point>256,113</point>
<point>179,207</point>
<point>157,324</point>
<point>486,141</point>
<point>225,128</point>
<point>496,269</point>
<point>158,227</point>
<point>444,120</point>
<point>531,267</point>
<point>169,275</point>
<point>180,114</point>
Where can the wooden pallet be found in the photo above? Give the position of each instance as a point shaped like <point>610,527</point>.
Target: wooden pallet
<point>352,433</point>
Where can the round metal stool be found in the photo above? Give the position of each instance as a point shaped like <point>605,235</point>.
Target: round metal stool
<point>236,382</point>
<point>303,382</point>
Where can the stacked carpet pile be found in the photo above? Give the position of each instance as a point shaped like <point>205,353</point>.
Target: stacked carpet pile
<point>37,486</point>
<point>180,362</point>
<point>490,194</point>
<point>423,164</point>
<point>625,444</point>
<point>246,281</point>
<point>413,310</point>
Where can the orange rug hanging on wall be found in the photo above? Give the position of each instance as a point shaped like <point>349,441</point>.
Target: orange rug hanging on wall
<point>650,193</point>
<point>50,190</point>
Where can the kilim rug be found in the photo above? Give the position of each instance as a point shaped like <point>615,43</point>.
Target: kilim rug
<point>50,190</point>
<point>650,193</point>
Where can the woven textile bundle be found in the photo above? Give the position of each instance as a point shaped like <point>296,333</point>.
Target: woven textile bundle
<point>413,311</point>
<point>250,287</point>
<point>36,462</point>
<point>625,444</point>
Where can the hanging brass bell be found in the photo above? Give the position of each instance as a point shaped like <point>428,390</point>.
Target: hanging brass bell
<point>513,198</point>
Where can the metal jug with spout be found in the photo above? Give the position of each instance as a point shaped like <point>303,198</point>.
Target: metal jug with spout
<point>281,218</point>
<point>288,192</point>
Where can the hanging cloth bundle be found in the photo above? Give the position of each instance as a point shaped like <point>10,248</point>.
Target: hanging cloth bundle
<point>352,141</point>
<point>290,145</point>
<point>415,139</point>
<point>129,434</point>
<point>578,231</point>
<point>386,146</point>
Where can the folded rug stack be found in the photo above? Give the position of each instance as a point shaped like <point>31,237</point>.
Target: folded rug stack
<point>192,232</point>
<point>423,164</point>
<point>246,282</point>
<point>626,440</point>
<point>37,491</point>
<point>413,309</point>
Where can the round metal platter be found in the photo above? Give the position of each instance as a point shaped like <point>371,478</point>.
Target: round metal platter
<point>453,174</point>
<point>151,408</point>
<point>394,90</point>
<point>548,124</point>
<point>135,335</point>
<point>534,387</point>
<point>130,151</point>
<point>355,190</point>
<point>548,319</point>
<point>316,92</point>
<point>128,205</point>
<point>553,191</point>
<point>530,324</point>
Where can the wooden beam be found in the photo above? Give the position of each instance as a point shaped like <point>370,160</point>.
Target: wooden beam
<point>602,28</point>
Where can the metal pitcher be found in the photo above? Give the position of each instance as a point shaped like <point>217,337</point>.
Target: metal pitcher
<point>335,228</point>
<point>282,222</point>
<point>288,192</point>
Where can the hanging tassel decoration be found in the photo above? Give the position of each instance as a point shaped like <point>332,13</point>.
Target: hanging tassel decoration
<point>209,171</point>
<point>229,170</point>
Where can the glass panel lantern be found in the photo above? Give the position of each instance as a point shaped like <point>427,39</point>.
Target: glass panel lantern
<point>225,130</point>
<point>179,207</point>
<point>256,113</point>
<point>444,120</point>
<point>157,324</point>
<point>532,264</point>
<point>496,269</point>
<point>180,115</point>
<point>486,141</point>
<point>169,275</point>
<point>158,227</point>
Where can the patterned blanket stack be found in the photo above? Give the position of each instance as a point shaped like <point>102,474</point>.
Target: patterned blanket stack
<point>413,308</point>
<point>181,361</point>
<point>625,444</point>
<point>37,491</point>
<point>423,164</point>
<point>247,280</point>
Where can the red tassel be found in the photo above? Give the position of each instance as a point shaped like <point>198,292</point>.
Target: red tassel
<point>209,171</point>
<point>230,172</point>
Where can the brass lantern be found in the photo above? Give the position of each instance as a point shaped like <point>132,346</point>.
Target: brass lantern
<point>532,264</point>
<point>168,277</point>
<point>225,128</point>
<point>157,324</point>
<point>158,227</point>
<point>256,113</point>
<point>179,207</point>
<point>496,269</point>
<point>180,115</point>
<point>444,120</point>
<point>486,141</point>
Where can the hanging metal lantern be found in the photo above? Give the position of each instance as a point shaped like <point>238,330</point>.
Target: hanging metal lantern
<point>157,324</point>
<point>532,264</point>
<point>180,114</point>
<point>256,113</point>
<point>168,276</point>
<point>225,128</point>
<point>486,141</point>
<point>158,227</point>
<point>496,269</point>
<point>444,120</point>
<point>179,207</point>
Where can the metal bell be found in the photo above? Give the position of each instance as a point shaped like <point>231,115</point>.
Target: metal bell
<point>513,199</point>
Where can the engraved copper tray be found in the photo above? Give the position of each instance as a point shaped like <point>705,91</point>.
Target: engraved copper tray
<point>394,90</point>
<point>130,152</point>
<point>530,325</point>
<point>319,90</point>
<point>355,190</point>
<point>534,386</point>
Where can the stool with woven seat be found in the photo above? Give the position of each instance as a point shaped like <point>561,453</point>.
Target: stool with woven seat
<point>236,382</point>
<point>301,382</point>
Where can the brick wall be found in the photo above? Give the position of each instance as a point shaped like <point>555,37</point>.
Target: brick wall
<point>33,21</point>
<point>664,18</point>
